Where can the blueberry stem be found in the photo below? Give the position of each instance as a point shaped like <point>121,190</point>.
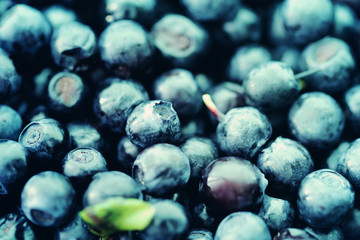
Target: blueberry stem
<point>212,107</point>
<point>308,72</point>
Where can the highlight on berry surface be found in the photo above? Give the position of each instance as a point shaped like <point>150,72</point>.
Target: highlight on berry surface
<point>117,214</point>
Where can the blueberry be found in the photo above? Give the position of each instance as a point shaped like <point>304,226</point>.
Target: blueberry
<point>72,46</point>
<point>15,226</point>
<point>102,187</point>
<point>288,55</point>
<point>48,199</point>
<point>349,164</point>
<point>333,159</point>
<point>84,134</point>
<point>10,123</point>
<point>47,142</point>
<point>200,151</point>
<point>335,57</point>
<point>126,154</point>
<point>271,86</point>
<point>294,233</point>
<point>153,122</point>
<point>352,110</point>
<point>285,163</point>
<point>345,20</point>
<point>13,165</point>
<point>5,5</point>
<point>170,222</point>
<point>10,80</point>
<point>126,48</point>
<point>277,213</point>
<point>324,198</point>
<point>116,100</point>
<point>23,30</point>
<point>75,229</point>
<point>243,131</point>
<point>242,225</point>
<point>140,11</point>
<point>211,10</point>
<point>180,40</point>
<point>203,217</point>
<point>66,92</point>
<point>161,169</point>
<point>246,58</point>
<point>58,15</point>
<point>316,120</point>
<point>307,21</point>
<point>179,87</point>
<point>200,234</point>
<point>232,184</point>
<point>80,164</point>
<point>276,30</point>
<point>245,27</point>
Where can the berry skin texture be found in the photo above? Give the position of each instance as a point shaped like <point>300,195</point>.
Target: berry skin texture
<point>316,120</point>
<point>153,122</point>
<point>10,80</point>
<point>325,198</point>
<point>161,169</point>
<point>243,131</point>
<point>48,199</point>
<point>15,226</point>
<point>242,225</point>
<point>10,123</point>
<point>352,110</point>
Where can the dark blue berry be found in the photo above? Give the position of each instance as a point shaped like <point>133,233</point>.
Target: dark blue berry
<point>271,86</point>
<point>200,234</point>
<point>72,46</point>
<point>75,229</point>
<point>161,169</point>
<point>153,122</point>
<point>243,131</point>
<point>10,80</point>
<point>15,226</point>
<point>352,110</point>
<point>324,198</point>
<point>307,21</point>
<point>48,199</point>
<point>316,120</point>
<point>23,30</point>
<point>58,14</point>
<point>285,163</point>
<point>126,154</point>
<point>126,48</point>
<point>232,184</point>
<point>84,134</point>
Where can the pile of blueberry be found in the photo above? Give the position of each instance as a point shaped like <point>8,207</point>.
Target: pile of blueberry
<point>232,119</point>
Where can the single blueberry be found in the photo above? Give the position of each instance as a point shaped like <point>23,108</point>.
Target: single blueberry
<point>161,169</point>
<point>23,30</point>
<point>285,163</point>
<point>306,20</point>
<point>325,198</point>
<point>243,131</point>
<point>72,46</point>
<point>125,48</point>
<point>85,134</point>
<point>271,86</point>
<point>48,199</point>
<point>10,80</point>
<point>153,122</point>
<point>126,154</point>
<point>316,120</point>
<point>352,109</point>
<point>58,14</point>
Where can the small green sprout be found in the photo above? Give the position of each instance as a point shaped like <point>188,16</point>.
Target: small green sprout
<point>118,214</point>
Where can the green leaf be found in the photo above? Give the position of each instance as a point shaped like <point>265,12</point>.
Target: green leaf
<point>118,214</point>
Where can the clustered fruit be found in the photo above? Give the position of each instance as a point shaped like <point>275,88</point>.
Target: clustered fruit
<point>182,119</point>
